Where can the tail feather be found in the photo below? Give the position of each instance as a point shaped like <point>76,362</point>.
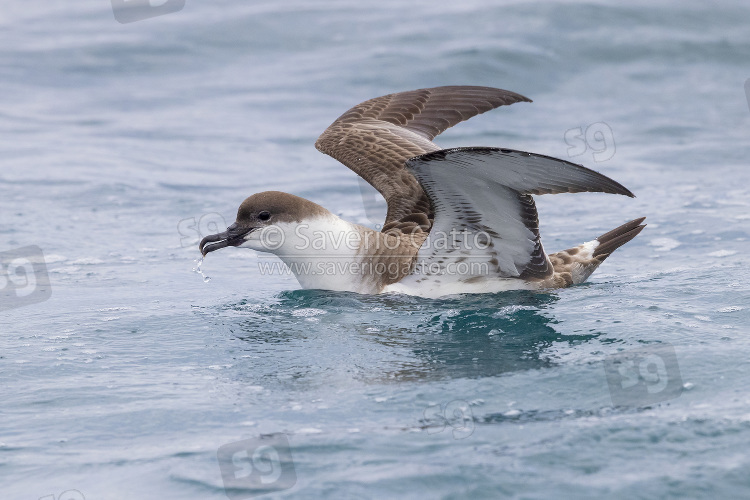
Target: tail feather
<point>576,264</point>
<point>612,240</point>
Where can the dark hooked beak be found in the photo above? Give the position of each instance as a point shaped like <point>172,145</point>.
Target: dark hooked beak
<point>232,237</point>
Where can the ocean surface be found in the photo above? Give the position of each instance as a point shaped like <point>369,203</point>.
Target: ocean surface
<point>125,375</point>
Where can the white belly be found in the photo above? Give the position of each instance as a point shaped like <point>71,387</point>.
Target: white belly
<point>434,288</point>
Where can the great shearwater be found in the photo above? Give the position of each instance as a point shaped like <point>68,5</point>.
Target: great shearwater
<point>459,220</point>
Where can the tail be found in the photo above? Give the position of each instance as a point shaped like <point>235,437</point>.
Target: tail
<point>611,241</point>
<point>576,264</point>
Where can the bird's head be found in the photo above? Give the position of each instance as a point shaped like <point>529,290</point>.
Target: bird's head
<point>264,222</point>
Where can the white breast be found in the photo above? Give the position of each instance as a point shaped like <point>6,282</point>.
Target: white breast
<point>323,253</point>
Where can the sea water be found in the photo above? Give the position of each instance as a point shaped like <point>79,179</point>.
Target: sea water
<point>130,377</point>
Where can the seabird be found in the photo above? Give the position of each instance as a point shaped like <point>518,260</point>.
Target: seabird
<point>460,220</point>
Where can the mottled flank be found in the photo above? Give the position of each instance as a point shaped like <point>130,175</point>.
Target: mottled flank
<point>395,254</point>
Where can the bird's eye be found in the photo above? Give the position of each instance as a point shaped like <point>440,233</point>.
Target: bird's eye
<point>264,215</point>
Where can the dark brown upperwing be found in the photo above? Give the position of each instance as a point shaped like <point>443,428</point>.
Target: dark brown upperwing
<point>376,137</point>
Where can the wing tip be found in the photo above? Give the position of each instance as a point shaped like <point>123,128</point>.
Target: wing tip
<point>620,189</point>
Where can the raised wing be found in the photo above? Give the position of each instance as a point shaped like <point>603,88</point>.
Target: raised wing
<point>376,137</point>
<point>485,216</point>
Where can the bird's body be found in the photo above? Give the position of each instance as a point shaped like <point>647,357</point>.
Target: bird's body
<point>459,220</point>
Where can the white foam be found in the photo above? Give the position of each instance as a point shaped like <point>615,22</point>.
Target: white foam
<point>730,309</point>
<point>664,244</point>
<point>722,253</point>
<point>309,430</point>
<point>86,261</point>
<point>308,312</point>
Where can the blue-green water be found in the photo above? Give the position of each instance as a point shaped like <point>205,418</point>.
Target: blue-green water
<point>119,141</point>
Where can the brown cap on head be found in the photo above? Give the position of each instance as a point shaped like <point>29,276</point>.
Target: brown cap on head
<point>269,207</point>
